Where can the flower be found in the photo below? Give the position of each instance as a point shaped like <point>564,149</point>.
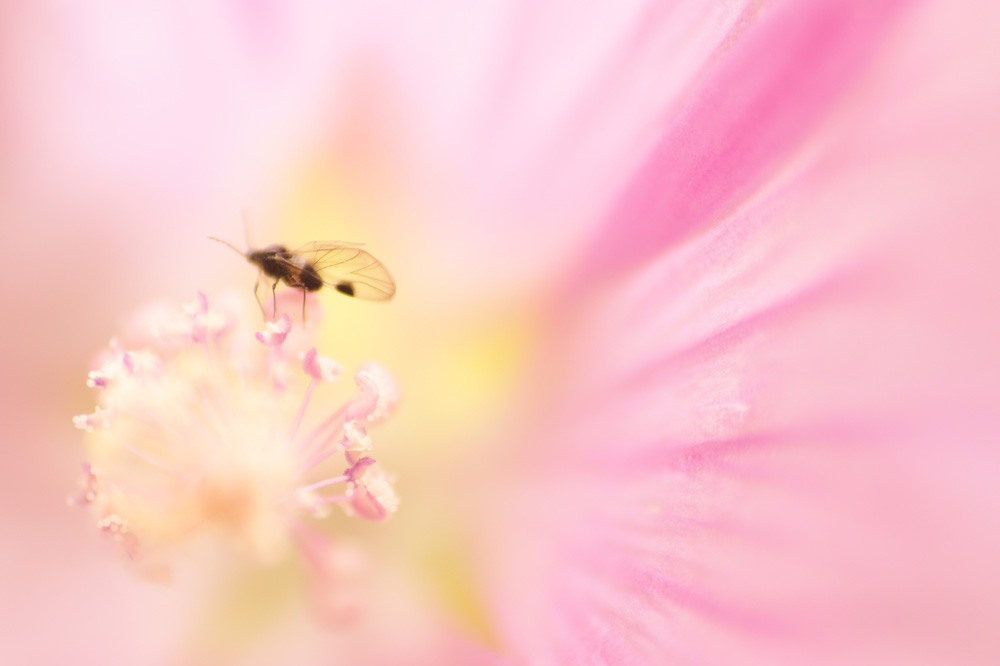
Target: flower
<point>758,426</point>
<point>197,433</point>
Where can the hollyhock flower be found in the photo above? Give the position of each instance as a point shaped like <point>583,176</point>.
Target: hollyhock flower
<point>198,433</point>
<point>759,427</point>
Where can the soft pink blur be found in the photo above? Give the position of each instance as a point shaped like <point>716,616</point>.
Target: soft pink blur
<point>696,321</point>
<point>785,449</point>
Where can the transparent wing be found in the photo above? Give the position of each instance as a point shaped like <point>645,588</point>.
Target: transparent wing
<point>347,268</point>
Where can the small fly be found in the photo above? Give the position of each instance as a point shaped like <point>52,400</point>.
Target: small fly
<point>343,267</point>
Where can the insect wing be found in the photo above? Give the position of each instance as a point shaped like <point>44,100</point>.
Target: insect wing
<point>349,269</point>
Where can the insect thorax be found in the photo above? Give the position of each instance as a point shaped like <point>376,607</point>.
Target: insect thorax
<point>269,260</point>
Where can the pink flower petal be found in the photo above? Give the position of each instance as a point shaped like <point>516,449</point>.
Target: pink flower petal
<point>775,442</point>
<point>751,109</point>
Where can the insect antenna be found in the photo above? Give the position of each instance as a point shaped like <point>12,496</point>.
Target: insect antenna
<point>246,227</point>
<point>235,249</point>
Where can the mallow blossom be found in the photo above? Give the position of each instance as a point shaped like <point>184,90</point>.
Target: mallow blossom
<point>758,426</point>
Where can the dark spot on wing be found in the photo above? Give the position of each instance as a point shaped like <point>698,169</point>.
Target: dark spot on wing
<point>345,288</point>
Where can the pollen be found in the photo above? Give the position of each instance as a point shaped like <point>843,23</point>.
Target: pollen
<point>199,432</point>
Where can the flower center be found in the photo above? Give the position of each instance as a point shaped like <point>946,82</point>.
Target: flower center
<point>199,429</point>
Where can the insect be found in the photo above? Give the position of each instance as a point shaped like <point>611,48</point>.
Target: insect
<point>344,267</point>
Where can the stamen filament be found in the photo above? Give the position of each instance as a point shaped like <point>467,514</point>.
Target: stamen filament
<point>209,411</point>
<point>148,458</point>
<point>335,418</point>
<point>323,483</point>
<point>333,434</point>
<point>332,499</point>
<point>319,458</point>
<point>156,420</point>
<point>302,410</point>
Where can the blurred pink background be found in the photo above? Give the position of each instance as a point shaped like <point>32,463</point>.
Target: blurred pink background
<point>696,322</point>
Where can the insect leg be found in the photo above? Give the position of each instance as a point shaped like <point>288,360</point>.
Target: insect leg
<point>274,299</point>
<point>256,286</point>
<point>303,308</point>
